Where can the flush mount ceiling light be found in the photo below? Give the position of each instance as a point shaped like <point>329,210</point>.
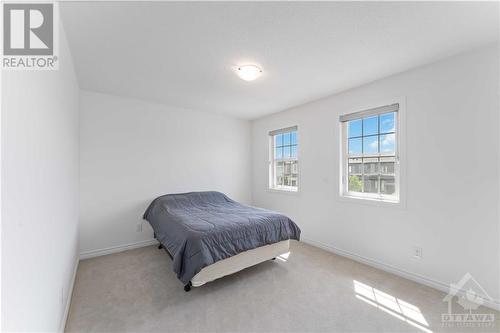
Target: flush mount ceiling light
<point>248,72</point>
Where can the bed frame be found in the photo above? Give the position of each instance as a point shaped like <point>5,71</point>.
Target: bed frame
<point>235,263</point>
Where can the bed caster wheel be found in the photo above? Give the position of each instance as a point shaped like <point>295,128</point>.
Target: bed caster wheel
<point>187,287</point>
<point>160,247</point>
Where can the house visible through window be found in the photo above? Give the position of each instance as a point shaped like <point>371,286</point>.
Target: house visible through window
<point>370,167</point>
<point>284,164</point>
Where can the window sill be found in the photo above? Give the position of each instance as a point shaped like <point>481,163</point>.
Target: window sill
<point>283,190</point>
<point>371,201</point>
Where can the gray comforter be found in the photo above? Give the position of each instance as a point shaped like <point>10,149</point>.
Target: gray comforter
<point>200,228</point>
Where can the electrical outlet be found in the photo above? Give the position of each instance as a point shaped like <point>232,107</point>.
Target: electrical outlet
<point>139,227</point>
<point>417,252</point>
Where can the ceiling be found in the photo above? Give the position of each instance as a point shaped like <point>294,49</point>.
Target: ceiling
<point>184,54</point>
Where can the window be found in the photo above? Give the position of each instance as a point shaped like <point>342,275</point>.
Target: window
<point>284,163</point>
<point>370,159</point>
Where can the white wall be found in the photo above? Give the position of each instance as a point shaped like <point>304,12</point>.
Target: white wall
<point>39,194</point>
<point>132,151</point>
<point>452,173</point>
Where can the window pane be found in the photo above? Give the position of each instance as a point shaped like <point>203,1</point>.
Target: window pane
<point>371,184</point>
<point>370,166</point>
<point>295,169</point>
<point>355,174</point>
<point>355,146</point>
<point>387,122</point>
<point>355,184</point>
<point>288,168</point>
<point>278,140</point>
<point>293,138</point>
<point>286,138</point>
<point>355,128</point>
<point>370,144</point>
<point>286,152</point>
<point>371,161</point>
<point>370,125</point>
<point>355,166</point>
<point>278,153</point>
<point>388,143</point>
<point>387,165</point>
<point>285,163</point>
<point>387,185</point>
<point>287,180</point>
<point>279,173</point>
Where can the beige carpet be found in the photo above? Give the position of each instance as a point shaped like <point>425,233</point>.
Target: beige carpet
<point>309,291</point>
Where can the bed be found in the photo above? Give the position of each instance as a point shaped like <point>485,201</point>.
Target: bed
<point>209,235</point>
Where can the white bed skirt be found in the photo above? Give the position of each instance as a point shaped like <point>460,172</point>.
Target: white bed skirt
<point>240,261</point>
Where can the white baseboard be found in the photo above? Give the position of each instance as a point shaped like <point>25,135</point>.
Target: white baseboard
<point>441,286</point>
<point>68,299</point>
<point>115,249</point>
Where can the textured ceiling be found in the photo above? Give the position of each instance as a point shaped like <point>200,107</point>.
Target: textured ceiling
<point>183,54</point>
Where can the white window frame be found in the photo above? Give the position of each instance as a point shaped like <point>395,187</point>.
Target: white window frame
<point>272,162</point>
<point>398,196</point>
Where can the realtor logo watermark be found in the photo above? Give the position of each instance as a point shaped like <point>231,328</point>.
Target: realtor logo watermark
<point>30,36</point>
<point>464,300</point>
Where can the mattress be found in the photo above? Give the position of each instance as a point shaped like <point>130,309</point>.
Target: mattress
<point>201,228</point>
